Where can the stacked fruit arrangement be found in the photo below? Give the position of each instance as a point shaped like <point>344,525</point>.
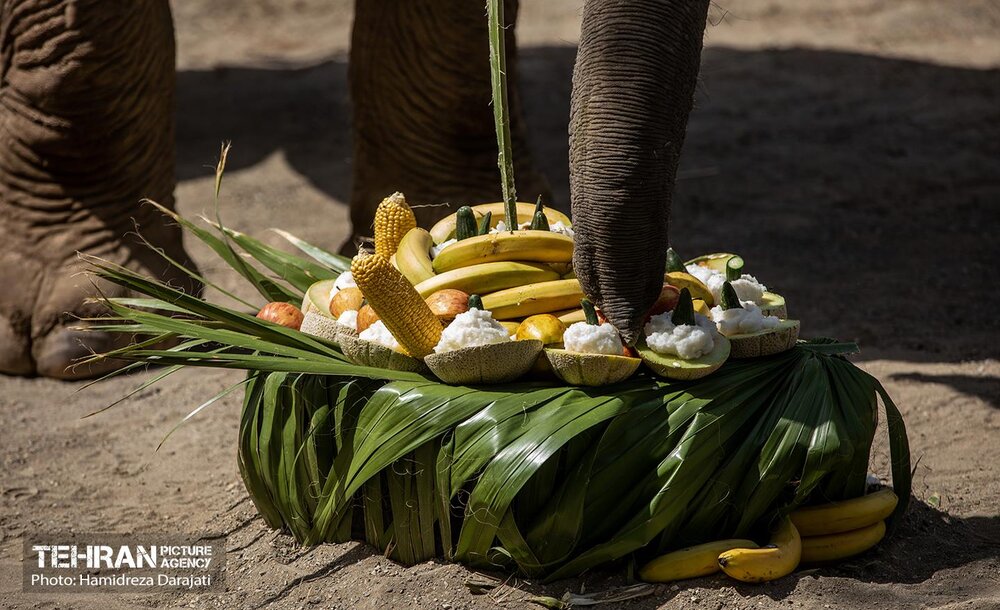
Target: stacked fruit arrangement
<point>407,305</point>
<point>663,464</point>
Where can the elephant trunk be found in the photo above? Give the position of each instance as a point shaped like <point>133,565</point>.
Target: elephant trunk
<point>633,88</point>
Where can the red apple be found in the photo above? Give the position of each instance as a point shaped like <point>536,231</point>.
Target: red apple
<point>282,314</point>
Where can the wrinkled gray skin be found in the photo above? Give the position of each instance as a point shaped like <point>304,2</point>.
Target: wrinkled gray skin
<point>633,87</point>
<point>86,132</point>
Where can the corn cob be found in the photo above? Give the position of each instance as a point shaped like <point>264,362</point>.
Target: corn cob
<point>397,304</point>
<point>393,218</point>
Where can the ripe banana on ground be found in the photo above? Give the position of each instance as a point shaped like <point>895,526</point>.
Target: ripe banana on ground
<point>777,559</point>
<point>534,246</point>
<point>487,277</point>
<point>530,299</point>
<point>846,515</point>
<point>691,562</point>
<point>818,549</point>
<point>413,257</point>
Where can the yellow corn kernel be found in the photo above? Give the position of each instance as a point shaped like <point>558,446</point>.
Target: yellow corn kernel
<point>397,304</point>
<point>393,219</point>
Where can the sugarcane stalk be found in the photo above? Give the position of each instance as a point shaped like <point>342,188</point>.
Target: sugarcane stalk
<point>501,113</point>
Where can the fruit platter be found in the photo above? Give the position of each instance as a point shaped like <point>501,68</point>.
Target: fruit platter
<point>473,302</point>
<point>516,389</point>
<point>452,392</point>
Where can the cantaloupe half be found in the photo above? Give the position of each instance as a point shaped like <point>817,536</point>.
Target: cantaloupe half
<point>715,261</point>
<point>673,367</point>
<point>576,368</point>
<point>320,326</point>
<point>369,353</point>
<point>485,364</point>
<point>766,342</point>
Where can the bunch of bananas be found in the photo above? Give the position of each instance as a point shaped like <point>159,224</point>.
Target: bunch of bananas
<point>519,273</point>
<point>812,535</point>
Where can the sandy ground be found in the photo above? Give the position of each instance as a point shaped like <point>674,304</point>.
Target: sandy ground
<point>848,149</point>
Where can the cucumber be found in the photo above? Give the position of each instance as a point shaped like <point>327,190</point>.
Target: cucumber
<point>734,268</point>
<point>730,300</point>
<point>475,301</point>
<point>589,312</point>
<point>465,223</point>
<point>684,310</point>
<point>484,223</point>
<point>674,262</point>
<point>539,222</point>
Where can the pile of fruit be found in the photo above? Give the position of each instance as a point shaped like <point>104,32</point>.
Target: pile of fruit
<point>812,535</point>
<point>474,301</point>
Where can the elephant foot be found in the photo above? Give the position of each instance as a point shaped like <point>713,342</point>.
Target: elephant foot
<point>46,302</point>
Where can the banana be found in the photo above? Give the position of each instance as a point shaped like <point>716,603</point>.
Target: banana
<point>445,228</point>
<point>512,328</point>
<point>777,559</point>
<point>541,297</point>
<point>487,277</point>
<point>564,269</point>
<point>569,316</point>
<point>681,280</point>
<point>691,562</point>
<point>535,246</point>
<point>846,515</point>
<point>818,549</point>
<point>413,257</point>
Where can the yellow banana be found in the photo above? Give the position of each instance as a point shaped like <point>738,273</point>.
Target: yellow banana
<point>680,279</point>
<point>691,562</point>
<point>535,246</point>
<point>818,549</point>
<point>569,316</point>
<point>512,329</point>
<point>563,269</point>
<point>487,277</point>
<point>530,299</point>
<point>445,228</point>
<point>777,559</point>
<point>846,515</point>
<point>413,257</point>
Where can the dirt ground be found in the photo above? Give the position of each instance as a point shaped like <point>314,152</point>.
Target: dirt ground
<point>849,149</point>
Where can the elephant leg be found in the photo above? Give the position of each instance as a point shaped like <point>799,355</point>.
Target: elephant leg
<point>86,132</point>
<point>423,119</point>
